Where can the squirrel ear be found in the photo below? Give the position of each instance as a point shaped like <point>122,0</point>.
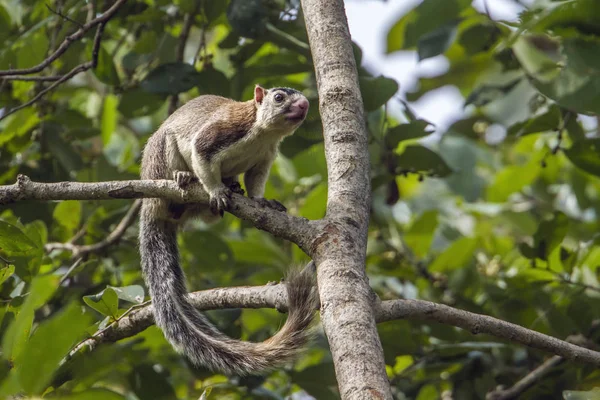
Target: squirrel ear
<point>259,94</point>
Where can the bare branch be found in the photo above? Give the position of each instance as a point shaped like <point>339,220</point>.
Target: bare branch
<point>274,296</point>
<point>80,251</point>
<point>26,78</point>
<point>527,381</point>
<point>63,16</point>
<point>80,68</point>
<point>295,229</point>
<point>103,19</point>
<point>477,323</point>
<point>268,296</point>
<point>183,37</point>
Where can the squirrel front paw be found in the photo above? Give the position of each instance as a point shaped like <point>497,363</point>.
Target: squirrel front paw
<point>183,178</point>
<point>235,187</point>
<point>274,204</point>
<point>219,200</point>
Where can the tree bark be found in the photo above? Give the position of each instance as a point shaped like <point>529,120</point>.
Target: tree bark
<point>339,250</point>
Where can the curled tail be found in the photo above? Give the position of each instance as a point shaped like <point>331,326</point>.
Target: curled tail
<point>192,334</point>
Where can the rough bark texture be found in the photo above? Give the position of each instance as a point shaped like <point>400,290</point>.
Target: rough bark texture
<point>286,226</point>
<point>339,250</point>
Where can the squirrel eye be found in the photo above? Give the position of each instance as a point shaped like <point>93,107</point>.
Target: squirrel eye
<point>278,97</point>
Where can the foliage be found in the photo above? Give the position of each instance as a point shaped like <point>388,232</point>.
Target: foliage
<point>505,226</point>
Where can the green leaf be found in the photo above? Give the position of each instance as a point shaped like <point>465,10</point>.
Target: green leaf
<point>248,17</point>
<point>402,363</point>
<point>457,255</point>
<point>377,91</point>
<point>12,239</point>
<point>479,38</point>
<point>49,344</point>
<point>421,159</point>
<point>34,50</point>
<point>582,14</point>
<point>413,130</point>
<point>512,179</point>
<point>147,42</point>
<point>315,203</point>
<point>428,392</point>
<point>148,384</point>
<point>92,394</point>
<point>573,81</point>
<point>548,121</point>
<point>62,151</point>
<point>318,380</point>
<point>550,234</point>
<point>106,302</point>
<point>6,272</point>
<point>170,79</point>
<point>427,17</point>
<point>138,103</point>
<point>420,234</point>
<point>105,71</point>
<point>19,124</point>
<point>585,154</point>
<point>436,42</point>
<point>132,294</point>
<point>15,338</point>
<point>213,81</point>
<point>196,243</point>
<point>109,118</point>
<point>68,215</point>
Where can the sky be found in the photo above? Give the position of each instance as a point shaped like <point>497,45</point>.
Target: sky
<point>370,21</point>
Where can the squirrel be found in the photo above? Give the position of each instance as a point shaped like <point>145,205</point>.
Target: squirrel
<point>213,139</point>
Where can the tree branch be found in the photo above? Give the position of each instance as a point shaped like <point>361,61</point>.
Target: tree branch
<point>183,37</point>
<point>340,248</point>
<point>103,19</point>
<point>476,323</point>
<point>295,229</point>
<point>268,296</point>
<point>80,251</point>
<point>274,296</point>
<point>25,78</point>
<point>527,381</point>
<point>80,68</point>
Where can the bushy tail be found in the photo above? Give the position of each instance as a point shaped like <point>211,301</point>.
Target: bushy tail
<point>192,334</point>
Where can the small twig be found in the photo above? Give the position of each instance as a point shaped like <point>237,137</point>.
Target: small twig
<point>544,369</point>
<point>91,10</point>
<point>80,68</point>
<point>26,78</point>
<point>478,323</point>
<point>527,381</point>
<point>71,268</point>
<point>103,19</point>
<point>80,251</point>
<point>82,343</point>
<point>57,12</point>
<point>183,38</point>
<point>201,47</point>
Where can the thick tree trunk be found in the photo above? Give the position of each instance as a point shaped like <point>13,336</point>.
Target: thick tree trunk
<point>346,298</point>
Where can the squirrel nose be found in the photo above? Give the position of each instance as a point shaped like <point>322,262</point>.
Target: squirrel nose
<point>302,104</point>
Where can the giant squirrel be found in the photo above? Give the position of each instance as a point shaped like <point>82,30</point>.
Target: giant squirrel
<point>214,139</point>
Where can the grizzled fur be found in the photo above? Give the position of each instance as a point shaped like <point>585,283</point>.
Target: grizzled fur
<point>215,139</point>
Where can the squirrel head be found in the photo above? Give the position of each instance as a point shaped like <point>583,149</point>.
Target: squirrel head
<point>280,108</point>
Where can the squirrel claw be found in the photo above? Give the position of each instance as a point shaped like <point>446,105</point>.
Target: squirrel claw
<point>183,178</point>
<point>235,187</point>
<point>219,200</point>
